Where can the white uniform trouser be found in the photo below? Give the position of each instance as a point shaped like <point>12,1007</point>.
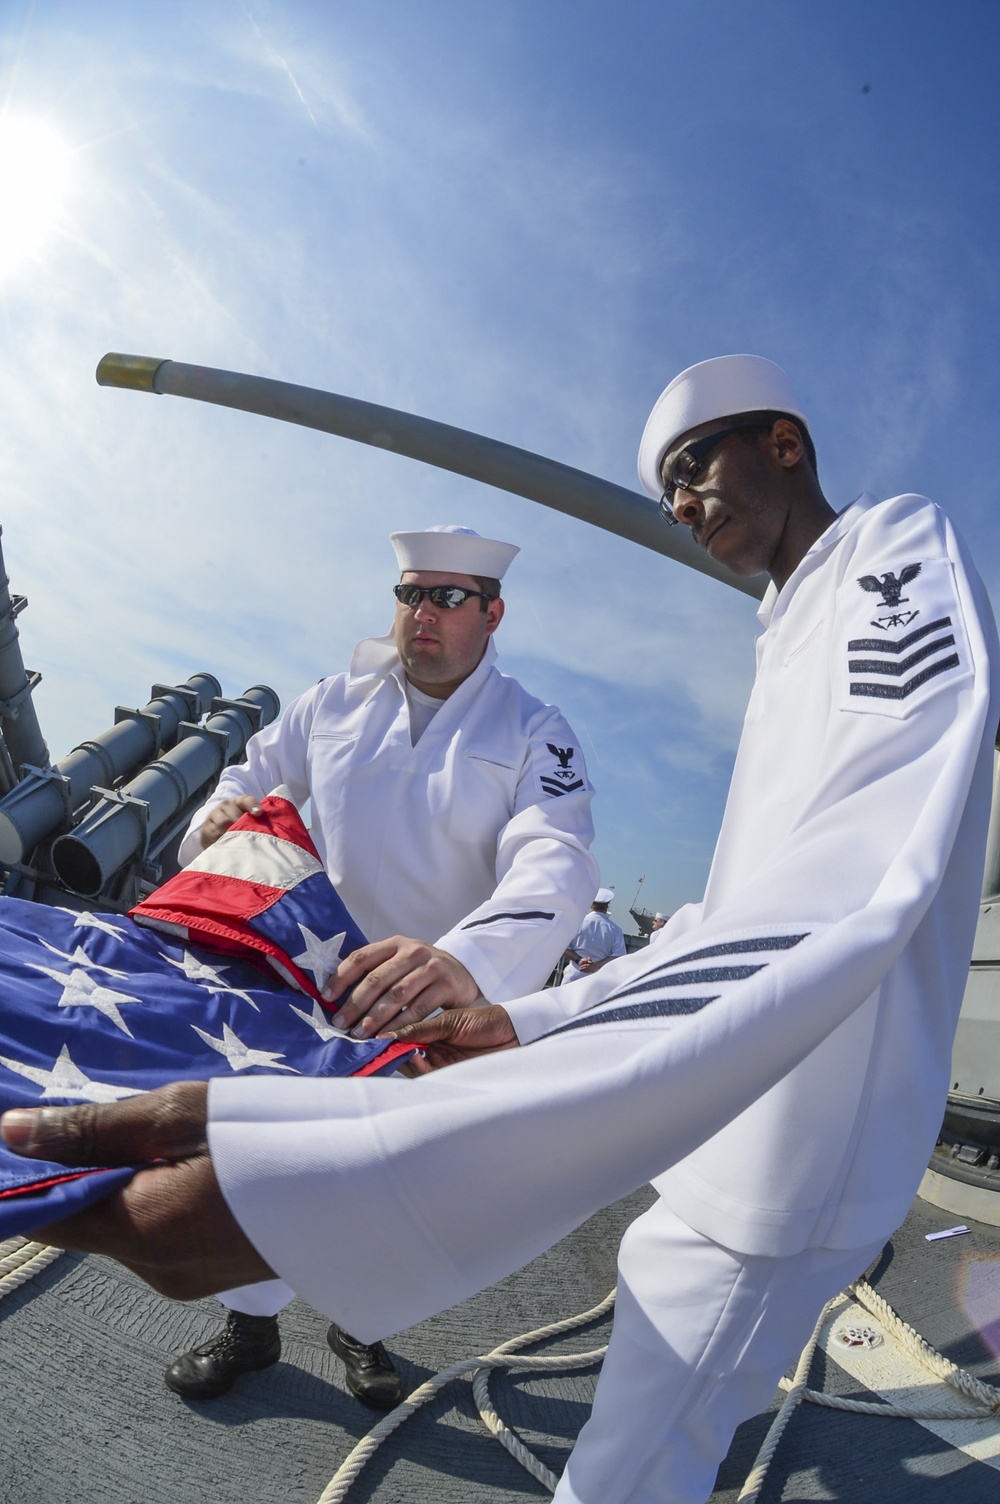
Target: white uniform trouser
<point>264,1299</point>
<point>701,1337</point>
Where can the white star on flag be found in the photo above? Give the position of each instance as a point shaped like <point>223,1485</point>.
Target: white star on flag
<point>79,957</point>
<point>239,1055</point>
<point>319,1021</point>
<point>321,957</point>
<point>197,970</point>
<point>96,922</point>
<point>80,990</point>
<point>66,1080</point>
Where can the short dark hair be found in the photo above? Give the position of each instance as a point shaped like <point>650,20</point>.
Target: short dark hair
<point>767,419</point>
<point>489,586</point>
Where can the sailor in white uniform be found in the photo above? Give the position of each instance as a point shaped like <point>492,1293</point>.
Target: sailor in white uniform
<point>452,812</point>
<point>448,804</point>
<point>777,1063</point>
<point>598,940</point>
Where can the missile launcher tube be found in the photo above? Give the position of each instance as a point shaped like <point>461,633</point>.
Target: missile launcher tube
<point>121,825</point>
<point>46,798</point>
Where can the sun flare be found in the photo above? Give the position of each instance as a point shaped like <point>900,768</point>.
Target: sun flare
<point>34,176</point>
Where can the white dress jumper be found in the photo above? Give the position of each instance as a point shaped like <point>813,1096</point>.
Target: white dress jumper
<point>469,828</point>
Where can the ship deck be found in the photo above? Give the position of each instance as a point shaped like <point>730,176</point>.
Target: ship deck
<point>89,1420</point>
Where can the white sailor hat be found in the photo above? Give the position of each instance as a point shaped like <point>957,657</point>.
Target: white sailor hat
<point>604,895</point>
<point>658,915</point>
<point>718,388</point>
<point>454,550</point>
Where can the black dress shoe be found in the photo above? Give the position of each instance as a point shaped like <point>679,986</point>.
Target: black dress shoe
<point>371,1377</point>
<point>244,1344</point>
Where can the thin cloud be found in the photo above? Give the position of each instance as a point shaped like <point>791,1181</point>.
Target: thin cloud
<point>272,54</point>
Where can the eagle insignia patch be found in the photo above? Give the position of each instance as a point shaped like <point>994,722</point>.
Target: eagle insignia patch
<point>891,586</point>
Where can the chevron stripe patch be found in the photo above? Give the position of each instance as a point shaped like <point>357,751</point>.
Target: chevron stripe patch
<point>671,993</point>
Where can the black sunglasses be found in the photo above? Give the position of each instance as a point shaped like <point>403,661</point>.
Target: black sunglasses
<point>445,597</point>
<point>690,462</point>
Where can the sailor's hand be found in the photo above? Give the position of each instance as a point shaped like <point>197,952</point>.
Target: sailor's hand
<point>587,964</point>
<point>397,980</point>
<point>170,1224</point>
<point>218,820</point>
<point>460,1034</point>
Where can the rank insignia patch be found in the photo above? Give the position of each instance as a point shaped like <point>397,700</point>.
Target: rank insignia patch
<point>562,779</point>
<point>913,650</point>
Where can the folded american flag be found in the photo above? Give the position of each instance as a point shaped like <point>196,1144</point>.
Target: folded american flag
<point>197,982</point>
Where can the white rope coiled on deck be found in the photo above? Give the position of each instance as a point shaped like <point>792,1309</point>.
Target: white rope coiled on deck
<point>986,1397</point>
<point>21,1260</point>
<point>507,1355</point>
<point>980,1401</point>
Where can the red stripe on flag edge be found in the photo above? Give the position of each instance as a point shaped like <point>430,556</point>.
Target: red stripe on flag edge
<point>194,888</point>
<point>394,1051</point>
<point>44,1185</point>
<point>279,818</point>
<point>283,820</point>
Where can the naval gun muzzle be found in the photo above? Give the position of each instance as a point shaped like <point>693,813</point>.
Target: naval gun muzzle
<point>46,799</point>
<point>124,821</point>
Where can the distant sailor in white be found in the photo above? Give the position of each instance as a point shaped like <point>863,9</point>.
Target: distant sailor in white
<point>598,940</point>
<point>777,1063</point>
<point>452,812</point>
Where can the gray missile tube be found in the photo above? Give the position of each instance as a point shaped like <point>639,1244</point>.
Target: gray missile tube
<point>575,492</point>
<point>46,798</point>
<point>18,721</point>
<point>121,824</point>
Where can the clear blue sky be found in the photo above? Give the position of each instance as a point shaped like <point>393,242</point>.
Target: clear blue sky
<point>522,218</point>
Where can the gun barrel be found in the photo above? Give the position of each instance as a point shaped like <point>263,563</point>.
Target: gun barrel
<point>600,502</point>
